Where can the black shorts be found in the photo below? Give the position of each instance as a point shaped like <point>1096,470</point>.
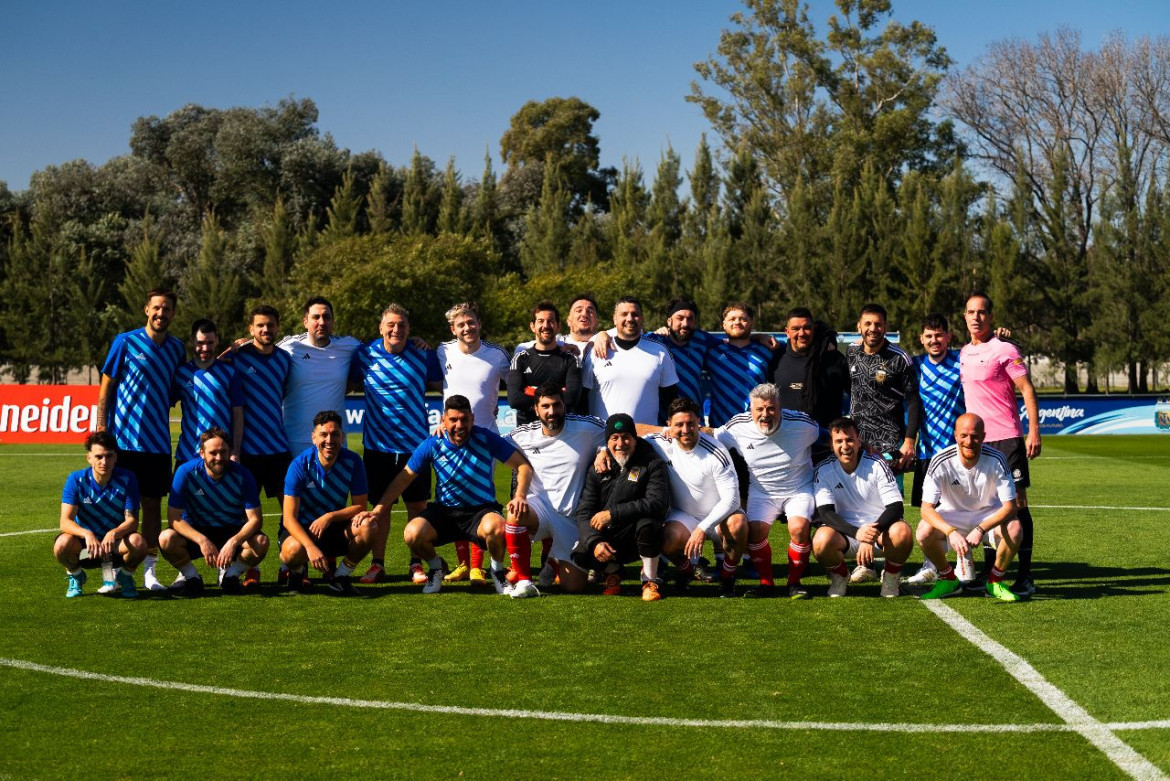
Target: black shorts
<point>217,534</point>
<point>84,561</point>
<point>153,471</point>
<point>1016,453</point>
<point>268,470</point>
<point>332,543</point>
<point>458,523</point>
<point>382,468</point>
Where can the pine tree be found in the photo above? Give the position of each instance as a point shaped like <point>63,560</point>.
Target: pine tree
<point>145,271</point>
<point>546,236</point>
<point>341,216</point>
<point>628,206</point>
<point>212,288</point>
<point>377,203</point>
<point>417,212</point>
<point>451,214</point>
<point>280,247</point>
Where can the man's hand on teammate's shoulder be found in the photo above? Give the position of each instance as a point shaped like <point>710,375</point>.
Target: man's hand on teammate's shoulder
<point>601,345</point>
<point>603,462</point>
<point>420,343</point>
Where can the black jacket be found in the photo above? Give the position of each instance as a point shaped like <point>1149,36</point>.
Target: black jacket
<point>640,489</point>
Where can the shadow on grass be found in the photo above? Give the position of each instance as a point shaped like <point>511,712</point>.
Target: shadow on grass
<point>1080,580</point>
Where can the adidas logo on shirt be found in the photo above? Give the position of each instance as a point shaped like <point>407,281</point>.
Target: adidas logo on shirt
<point>955,482</point>
<point>305,357</point>
<point>528,370</point>
<point>751,447</point>
<point>840,486</point>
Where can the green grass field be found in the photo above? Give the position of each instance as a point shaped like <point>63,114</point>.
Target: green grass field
<point>419,686</point>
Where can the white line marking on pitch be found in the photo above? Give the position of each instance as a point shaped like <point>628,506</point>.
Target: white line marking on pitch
<point>29,531</point>
<point>1079,719</point>
<point>1095,507</point>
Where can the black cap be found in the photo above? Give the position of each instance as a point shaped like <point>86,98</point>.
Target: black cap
<point>621,423</point>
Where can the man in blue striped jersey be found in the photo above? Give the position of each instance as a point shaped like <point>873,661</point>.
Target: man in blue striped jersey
<point>325,496</point>
<point>214,514</point>
<point>736,365</point>
<point>688,346</point>
<point>99,517</point>
<point>134,403</point>
<point>210,392</point>
<point>465,508</point>
<point>393,373</point>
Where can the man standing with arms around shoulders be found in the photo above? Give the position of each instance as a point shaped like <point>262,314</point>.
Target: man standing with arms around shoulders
<point>211,393</point>
<point>634,376</point>
<point>992,371</point>
<point>214,514</point>
<point>811,373</point>
<point>968,500</point>
<point>736,365</point>
<point>99,515</point>
<point>134,403</point>
<point>543,362</point>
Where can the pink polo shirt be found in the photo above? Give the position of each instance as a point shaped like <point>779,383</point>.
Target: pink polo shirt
<point>988,372</point>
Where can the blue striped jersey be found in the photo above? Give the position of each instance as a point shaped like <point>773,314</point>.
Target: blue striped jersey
<point>324,490</point>
<point>688,361</point>
<point>207,396</point>
<point>264,378</point>
<point>942,402</point>
<point>101,508</point>
<point>208,502</point>
<point>734,371</point>
<point>395,420</point>
<point>463,474</point>
<point>142,371</point>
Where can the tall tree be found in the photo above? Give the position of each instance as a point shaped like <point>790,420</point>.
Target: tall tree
<point>341,216</point>
<point>451,214</point>
<point>212,288</point>
<point>419,197</point>
<point>546,236</point>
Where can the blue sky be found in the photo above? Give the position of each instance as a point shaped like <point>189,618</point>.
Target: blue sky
<point>446,76</point>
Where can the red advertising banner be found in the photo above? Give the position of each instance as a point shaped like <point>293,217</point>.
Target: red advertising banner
<point>47,413</point>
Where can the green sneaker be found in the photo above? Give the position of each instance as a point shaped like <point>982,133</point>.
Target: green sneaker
<point>75,584</point>
<point>1001,591</point>
<point>942,588</point>
<point>126,583</point>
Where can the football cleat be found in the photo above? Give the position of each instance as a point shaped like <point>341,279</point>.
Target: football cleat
<point>1002,592</point>
<point>108,587</point>
<point>282,578</point>
<point>251,581</point>
<point>613,584</point>
<point>500,582</point>
<point>459,573</point>
<point>651,591</point>
<point>798,592</point>
<point>891,586</point>
<point>704,572</point>
<point>477,577</point>
<point>125,582</point>
<point>192,587</point>
<point>230,584</point>
<point>75,583</point>
<point>342,585</point>
<point>682,583</point>
<point>762,591</point>
<point>1024,587</point>
<point>548,574</point>
<point>375,574</point>
<point>726,588</point>
<point>178,584</point>
<point>862,574</point>
<point>838,584</point>
<point>523,589</point>
<point>434,581</point>
<point>925,576</point>
<point>943,588</point>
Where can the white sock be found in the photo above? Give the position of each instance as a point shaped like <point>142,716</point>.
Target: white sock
<point>188,570</point>
<point>497,565</point>
<point>236,569</point>
<point>649,568</point>
<point>342,570</point>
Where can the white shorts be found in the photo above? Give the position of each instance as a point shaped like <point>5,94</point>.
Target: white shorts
<point>766,509</point>
<point>965,522</point>
<point>561,528</point>
<point>691,523</point>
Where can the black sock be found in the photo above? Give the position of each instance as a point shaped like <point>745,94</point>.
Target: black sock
<point>1025,553</point>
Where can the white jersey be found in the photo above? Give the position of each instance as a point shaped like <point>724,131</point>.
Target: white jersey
<point>702,481</point>
<point>861,497</point>
<point>559,463</point>
<point>476,375</point>
<point>628,380</point>
<point>952,487</point>
<point>316,382</point>
<point>779,464</point>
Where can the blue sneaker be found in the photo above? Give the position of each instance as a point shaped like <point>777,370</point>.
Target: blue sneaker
<point>126,581</point>
<point>75,584</point>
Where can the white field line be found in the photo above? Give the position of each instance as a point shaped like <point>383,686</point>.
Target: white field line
<point>29,531</point>
<point>1076,717</point>
<point>1096,507</point>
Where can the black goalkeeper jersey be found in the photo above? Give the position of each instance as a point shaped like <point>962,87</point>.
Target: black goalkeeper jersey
<point>532,368</point>
<point>884,396</point>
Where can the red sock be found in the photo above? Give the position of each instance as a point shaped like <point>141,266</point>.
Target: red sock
<point>892,567</point>
<point>947,574</point>
<point>461,551</point>
<point>840,569</point>
<point>519,550</point>
<point>727,570</point>
<point>761,555</point>
<point>996,575</point>
<point>797,562</point>
<point>476,556</point>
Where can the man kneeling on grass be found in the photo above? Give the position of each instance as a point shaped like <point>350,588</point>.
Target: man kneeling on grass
<point>969,498</point>
<point>860,505</point>
<point>622,509</point>
<point>324,492</point>
<point>99,518</point>
<point>214,514</point>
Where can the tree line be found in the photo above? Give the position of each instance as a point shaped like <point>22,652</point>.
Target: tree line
<point>851,164</point>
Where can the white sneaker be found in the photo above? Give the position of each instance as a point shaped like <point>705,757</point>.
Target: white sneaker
<point>891,585</point>
<point>149,579</point>
<point>434,581</point>
<point>499,580</point>
<point>862,574</point>
<point>523,589</point>
<point>924,577</point>
<point>548,575</point>
<point>108,587</point>
<point>838,585</point>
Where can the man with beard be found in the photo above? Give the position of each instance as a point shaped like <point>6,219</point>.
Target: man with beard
<point>635,376</point>
<point>812,375</point>
<point>542,363</point>
<point>736,365</point>
<point>210,392</point>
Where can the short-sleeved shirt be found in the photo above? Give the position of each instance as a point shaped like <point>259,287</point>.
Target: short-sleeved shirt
<point>142,371</point>
<point>734,371</point>
<point>689,360</point>
<point>703,483</point>
<point>779,464</point>
<point>207,397</point>
<point>317,382</point>
<point>206,501</point>
<point>989,371</point>
<point>265,379</point>
<point>950,486</point>
<point>559,462</point>
<point>463,473</point>
<point>324,490</point>
<point>861,497</point>
<point>396,391</point>
<point>477,375</point>
<point>629,380</point>
<point>942,401</point>
<point>883,393</point>
<point>101,508</point>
